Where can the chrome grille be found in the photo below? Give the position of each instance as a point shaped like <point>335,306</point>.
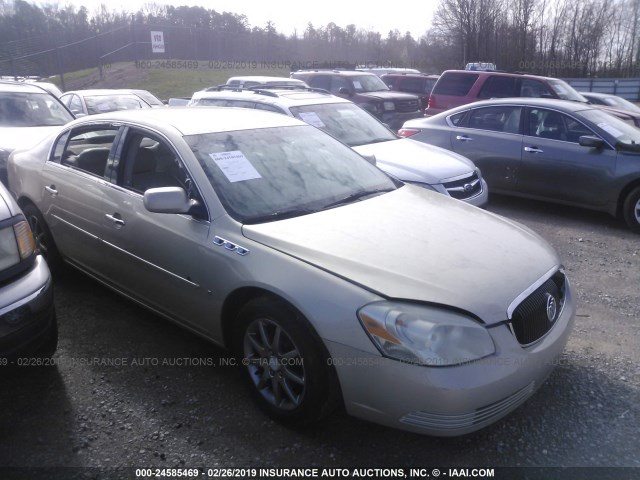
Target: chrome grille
<point>465,187</point>
<point>407,105</point>
<point>537,313</point>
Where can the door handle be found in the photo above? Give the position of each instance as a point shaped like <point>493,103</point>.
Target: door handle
<point>116,220</point>
<point>533,150</point>
<point>51,189</point>
<point>463,138</point>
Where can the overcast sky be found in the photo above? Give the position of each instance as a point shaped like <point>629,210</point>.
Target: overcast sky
<point>409,15</point>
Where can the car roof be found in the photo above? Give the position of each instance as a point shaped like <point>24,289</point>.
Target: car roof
<point>272,96</point>
<point>194,121</point>
<point>414,75</point>
<point>597,94</point>
<point>102,91</point>
<point>486,73</point>
<point>351,73</point>
<point>19,86</point>
<point>262,79</point>
<point>566,105</point>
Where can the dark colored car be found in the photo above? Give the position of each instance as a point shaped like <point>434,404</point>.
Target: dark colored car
<point>553,150</point>
<point>459,87</point>
<point>367,91</point>
<point>419,84</point>
<point>28,328</point>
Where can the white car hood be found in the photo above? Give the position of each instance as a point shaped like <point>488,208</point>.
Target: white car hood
<point>418,245</point>
<point>414,161</point>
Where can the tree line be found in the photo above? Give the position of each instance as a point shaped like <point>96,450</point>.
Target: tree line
<point>562,38</point>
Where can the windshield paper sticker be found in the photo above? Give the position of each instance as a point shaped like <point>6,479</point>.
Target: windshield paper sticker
<point>610,130</point>
<point>235,166</point>
<point>312,118</point>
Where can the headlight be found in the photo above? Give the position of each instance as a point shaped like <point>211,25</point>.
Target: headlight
<point>16,244</point>
<point>389,106</point>
<point>425,335</point>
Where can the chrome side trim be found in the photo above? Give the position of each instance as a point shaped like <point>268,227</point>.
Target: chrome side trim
<point>152,264</point>
<point>530,290</point>
<point>76,227</point>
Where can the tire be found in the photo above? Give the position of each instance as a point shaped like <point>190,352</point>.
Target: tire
<point>284,363</point>
<point>42,236</point>
<point>631,209</point>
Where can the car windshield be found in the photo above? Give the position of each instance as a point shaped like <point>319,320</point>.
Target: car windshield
<point>368,83</point>
<point>273,173</point>
<point>624,133</point>
<point>110,103</point>
<point>347,122</point>
<point>621,103</point>
<point>19,109</point>
<point>566,91</point>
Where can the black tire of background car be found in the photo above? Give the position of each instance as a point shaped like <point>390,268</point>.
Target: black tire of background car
<point>320,396</point>
<point>43,238</point>
<point>629,209</point>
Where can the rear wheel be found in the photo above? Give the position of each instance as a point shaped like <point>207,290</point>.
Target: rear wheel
<point>42,236</point>
<point>284,362</point>
<point>631,209</point>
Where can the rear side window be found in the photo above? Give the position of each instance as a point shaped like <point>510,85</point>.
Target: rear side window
<point>498,86</point>
<point>457,84</point>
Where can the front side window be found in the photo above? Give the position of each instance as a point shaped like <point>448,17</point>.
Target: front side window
<point>556,126</point>
<point>533,88</point>
<point>272,173</point>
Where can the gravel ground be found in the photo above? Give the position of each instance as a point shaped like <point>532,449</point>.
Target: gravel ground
<point>142,415</point>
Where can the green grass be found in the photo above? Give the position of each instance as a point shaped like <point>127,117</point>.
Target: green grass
<point>171,78</point>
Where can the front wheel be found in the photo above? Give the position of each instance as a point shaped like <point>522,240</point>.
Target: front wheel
<point>284,362</point>
<point>631,209</point>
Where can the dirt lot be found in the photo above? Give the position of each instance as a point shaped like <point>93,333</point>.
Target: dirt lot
<point>100,417</point>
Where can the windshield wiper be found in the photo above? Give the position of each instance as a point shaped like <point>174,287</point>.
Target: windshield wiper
<point>352,197</point>
<point>278,215</point>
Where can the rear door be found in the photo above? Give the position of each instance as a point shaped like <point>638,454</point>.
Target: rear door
<point>72,181</point>
<point>492,138</point>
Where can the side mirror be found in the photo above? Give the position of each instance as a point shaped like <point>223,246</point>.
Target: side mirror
<point>590,141</point>
<point>370,158</point>
<point>167,200</point>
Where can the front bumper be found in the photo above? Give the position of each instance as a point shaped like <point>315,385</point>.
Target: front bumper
<point>27,316</point>
<point>449,401</point>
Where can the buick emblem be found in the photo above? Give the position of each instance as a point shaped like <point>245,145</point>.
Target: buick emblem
<point>468,187</point>
<point>552,308</point>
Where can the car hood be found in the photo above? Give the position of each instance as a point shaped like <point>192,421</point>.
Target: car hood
<point>12,138</point>
<point>418,245</point>
<point>413,161</point>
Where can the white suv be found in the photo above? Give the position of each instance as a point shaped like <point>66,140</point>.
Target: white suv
<point>410,161</point>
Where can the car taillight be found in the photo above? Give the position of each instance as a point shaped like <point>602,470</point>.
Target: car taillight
<point>407,132</point>
<point>432,102</point>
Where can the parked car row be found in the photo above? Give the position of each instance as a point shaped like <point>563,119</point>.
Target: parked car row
<point>335,281</point>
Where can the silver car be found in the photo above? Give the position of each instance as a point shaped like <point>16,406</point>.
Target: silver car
<point>410,161</point>
<point>333,283</point>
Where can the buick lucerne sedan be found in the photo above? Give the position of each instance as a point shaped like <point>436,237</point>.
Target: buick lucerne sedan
<point>553,150</point>
<point>334,283</point>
